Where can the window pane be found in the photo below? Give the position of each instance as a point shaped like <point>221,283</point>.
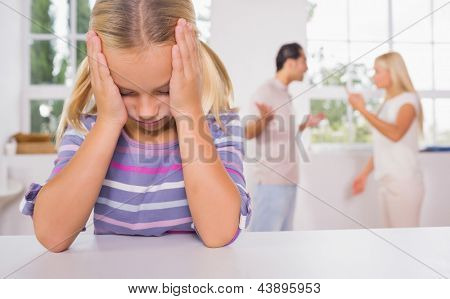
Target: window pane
<point>367,52</point>
<point>406,13</point>
<point>84,8</point>
<point>418,61</point>
<point>81,51</point>
<point>368,20</point>
<point>327,63</point>
<point>442,66</point>
<point>441,21</point>
<point>203,12</point>
<point>442,121</point>
<point>324,13</point>
<point>45,115</point>
<point>363,55</point>
<point>49,62</point>
<point>428,122</point>
<point>334,128</point>
<point>50,16</point>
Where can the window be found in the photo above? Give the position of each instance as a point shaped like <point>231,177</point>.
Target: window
<point>55,47</point>
<point>345,37</point>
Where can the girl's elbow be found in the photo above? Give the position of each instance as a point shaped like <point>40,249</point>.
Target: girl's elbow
<point>220,241</point>
<point>52,242</point>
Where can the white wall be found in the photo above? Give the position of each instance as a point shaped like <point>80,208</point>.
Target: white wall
<point>247,35</point>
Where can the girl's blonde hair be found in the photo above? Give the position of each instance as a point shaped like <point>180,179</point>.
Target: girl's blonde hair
<point>394,63</point>
<point>131,24</point>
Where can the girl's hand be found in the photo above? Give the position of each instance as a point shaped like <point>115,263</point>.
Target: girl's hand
<point>357,101</point>
<point>186,80</point>
<point>110,106</point>
<point>359,184</point>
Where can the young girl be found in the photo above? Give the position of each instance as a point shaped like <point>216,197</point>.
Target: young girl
<point>158,148</point>
<point>396,152</point>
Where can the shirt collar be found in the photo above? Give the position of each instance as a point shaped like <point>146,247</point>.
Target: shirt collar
<point>279,84</point>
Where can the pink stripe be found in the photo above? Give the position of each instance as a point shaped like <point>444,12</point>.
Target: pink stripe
<point>69,147</point>
<point>143,225</point>
<point>236,166</point>
<point>145,170</point>
<point>55,170</point>
<point>230,170</point>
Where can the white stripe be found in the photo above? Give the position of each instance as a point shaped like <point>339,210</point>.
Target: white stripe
<point>228,139</point>
<point>144,206</point>
<point>142,189</point>
<point>242,222</point>
<point>234,122</point>
<point>73,132</point>
<point>22,205</point>
<point>243,188</point>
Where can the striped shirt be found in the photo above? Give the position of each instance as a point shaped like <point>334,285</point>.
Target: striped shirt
<point>143,192</point>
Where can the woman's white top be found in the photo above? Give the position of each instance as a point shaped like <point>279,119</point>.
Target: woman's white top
<point>397,160</point>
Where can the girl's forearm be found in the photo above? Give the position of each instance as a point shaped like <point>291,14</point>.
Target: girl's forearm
<point>64,204</point>
<point>214,200</point>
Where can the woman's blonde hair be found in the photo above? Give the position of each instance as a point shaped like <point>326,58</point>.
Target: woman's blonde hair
<point>394,63</point>
<point>131,24</point>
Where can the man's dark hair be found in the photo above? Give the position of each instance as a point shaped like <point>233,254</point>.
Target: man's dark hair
<point>293,50</point>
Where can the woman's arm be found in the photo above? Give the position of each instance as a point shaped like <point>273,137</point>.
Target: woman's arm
<point>359,184</point>
<point>368,168</point>
<point>64,204</point>
<point>395,131</point>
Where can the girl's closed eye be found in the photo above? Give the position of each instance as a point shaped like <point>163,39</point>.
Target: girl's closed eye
<point>125,93</point>
<point>163,92</point>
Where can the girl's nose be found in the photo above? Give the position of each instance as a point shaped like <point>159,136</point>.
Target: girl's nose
<point>148,108</point>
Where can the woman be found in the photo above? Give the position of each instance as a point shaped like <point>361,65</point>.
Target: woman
<point>395,155</point>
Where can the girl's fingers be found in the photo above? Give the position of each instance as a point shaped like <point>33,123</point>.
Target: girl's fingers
<point>177,63</point>
<point>192,45</point>
<point>182,45</point>
<point>94,59</point>
<point>104,71</point>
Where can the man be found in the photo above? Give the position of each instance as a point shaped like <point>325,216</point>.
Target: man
<point>275,132</point>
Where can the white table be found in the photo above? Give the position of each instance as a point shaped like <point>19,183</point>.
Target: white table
<point>300,254</point>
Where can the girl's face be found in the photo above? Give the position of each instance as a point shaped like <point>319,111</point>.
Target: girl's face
<point>382,77</point>
<point>143,79</point>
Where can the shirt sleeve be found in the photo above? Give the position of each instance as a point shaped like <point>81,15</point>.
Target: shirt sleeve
<point>70,143</point>
<point>229,142</point>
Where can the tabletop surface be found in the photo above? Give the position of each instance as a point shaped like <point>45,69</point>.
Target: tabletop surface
<point>375,253</point>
